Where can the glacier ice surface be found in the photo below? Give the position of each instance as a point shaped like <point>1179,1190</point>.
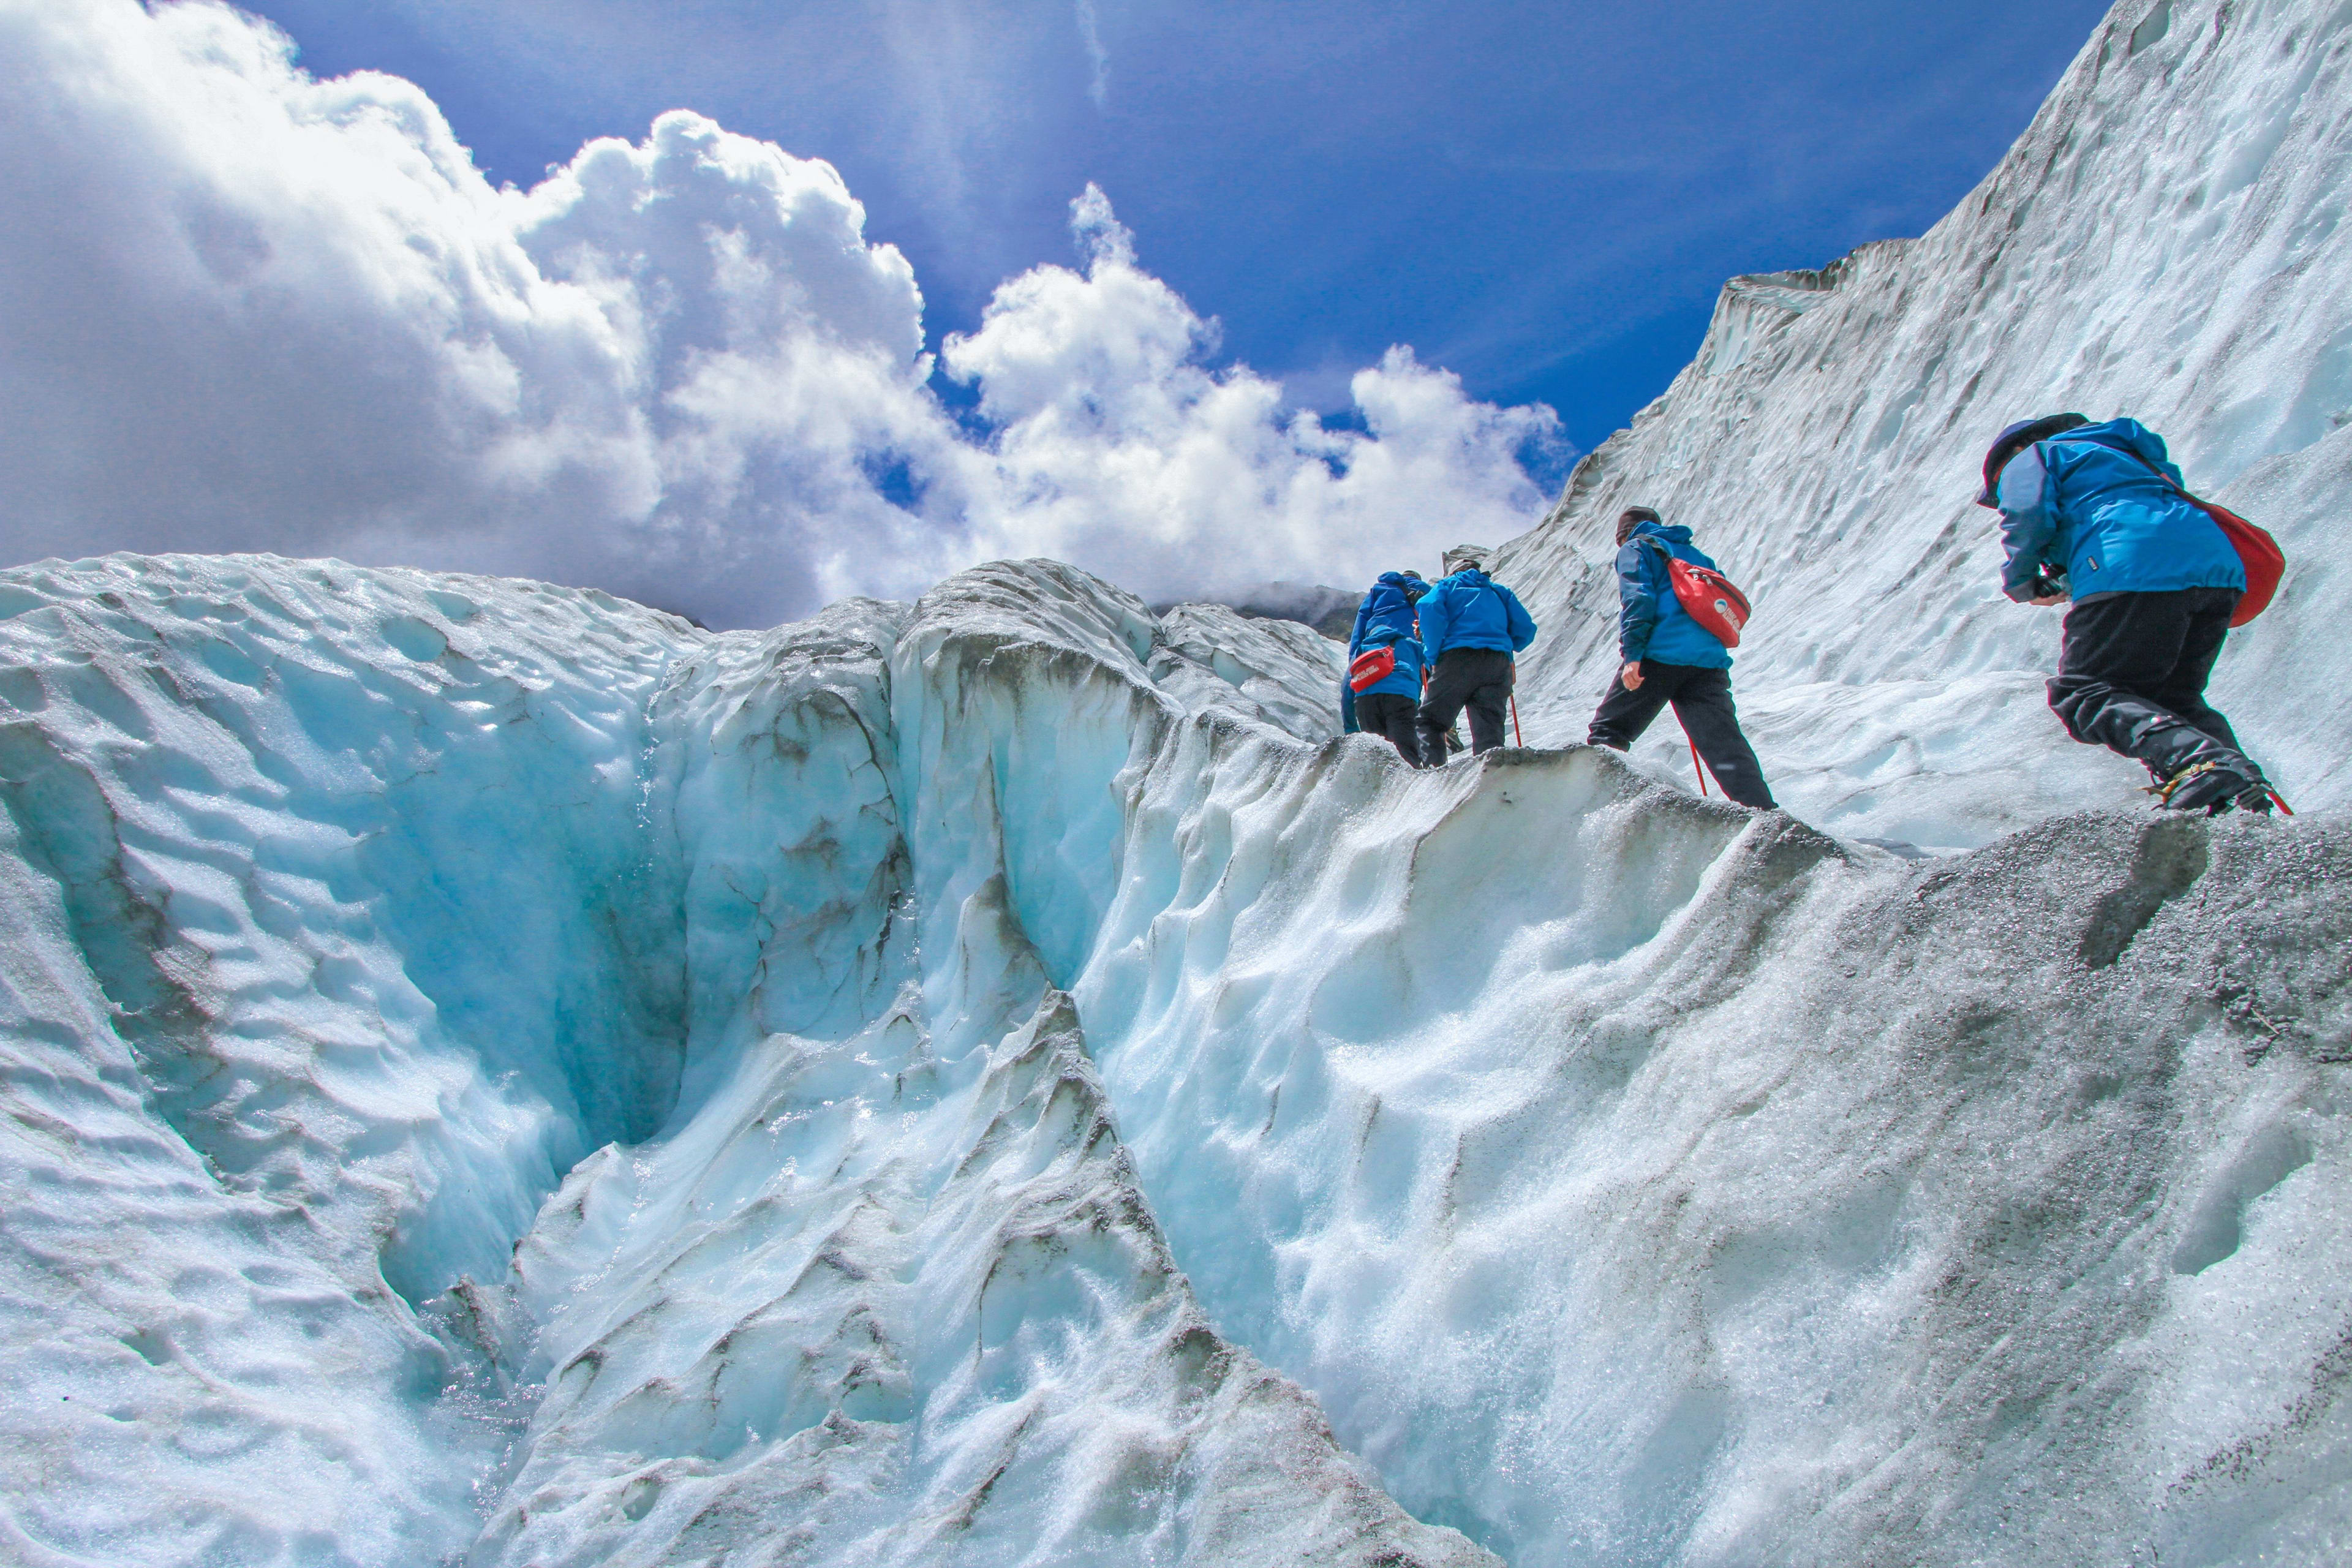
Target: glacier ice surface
<point>2165,241</point>
<point>989,1092</point>
<point>499,1073</point>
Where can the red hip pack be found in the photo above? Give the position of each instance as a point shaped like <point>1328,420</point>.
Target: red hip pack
<point>1708,596</point>
<point>2264,561</point>
<point>2258,552</point>
<point>1372,666</point>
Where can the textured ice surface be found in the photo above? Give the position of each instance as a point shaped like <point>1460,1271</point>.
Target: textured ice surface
<point>2167,241</point>
<point>354,916</point>
<point>959,1083</point>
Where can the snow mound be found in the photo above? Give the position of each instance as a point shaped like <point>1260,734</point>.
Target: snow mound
<point>2165,241</point>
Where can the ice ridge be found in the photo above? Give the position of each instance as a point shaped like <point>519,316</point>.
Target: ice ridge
<point>497,1074</point>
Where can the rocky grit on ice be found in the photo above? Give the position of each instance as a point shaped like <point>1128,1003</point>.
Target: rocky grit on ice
<point>498,1075</point>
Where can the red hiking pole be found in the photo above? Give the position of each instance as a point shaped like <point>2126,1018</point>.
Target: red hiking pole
<point>1695,768</point>
<point>1516,739</point>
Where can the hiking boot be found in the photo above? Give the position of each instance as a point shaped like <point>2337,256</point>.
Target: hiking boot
<point>2196,773</point>
<point>2214,788</point>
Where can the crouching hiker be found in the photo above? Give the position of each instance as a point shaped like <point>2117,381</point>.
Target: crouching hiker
<point>1470,628</point>
<point>2096,513</point>
<point>1388,702</point>
<point>1668,657</point>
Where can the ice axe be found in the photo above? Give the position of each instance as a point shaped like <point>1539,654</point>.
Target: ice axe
<point>1516,739</point>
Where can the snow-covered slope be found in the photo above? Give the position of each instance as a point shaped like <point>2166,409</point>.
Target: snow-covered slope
<point>2167,241</point>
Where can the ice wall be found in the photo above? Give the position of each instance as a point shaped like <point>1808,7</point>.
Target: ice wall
<point>1638,1183</point>
<point>341,927</point>
<point>2166,240</point>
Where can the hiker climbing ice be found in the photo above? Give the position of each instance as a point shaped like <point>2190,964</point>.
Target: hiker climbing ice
<point>2099,515</point>
<point>1384,664</point>
<point>1678,621</point>
<point>1471,625</point>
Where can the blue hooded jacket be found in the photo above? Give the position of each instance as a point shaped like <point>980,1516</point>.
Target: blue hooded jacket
<point>1652,623</point>
<point>1385,618</point>
<point>2084,508</point>
<point>1471,609</point>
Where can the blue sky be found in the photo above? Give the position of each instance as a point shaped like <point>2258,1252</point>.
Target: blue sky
<point>1541,197</point>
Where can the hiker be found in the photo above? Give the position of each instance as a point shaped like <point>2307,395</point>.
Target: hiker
<point>1385,620</point>
<point>1668,657</point>
<point>2096,513</point>
<point>1470,628</point>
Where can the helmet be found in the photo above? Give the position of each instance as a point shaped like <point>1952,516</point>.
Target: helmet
<point>2016,440</point>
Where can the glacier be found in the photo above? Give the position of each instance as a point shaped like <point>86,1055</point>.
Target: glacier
<point>495,1074</point>
<point>499,1075</point>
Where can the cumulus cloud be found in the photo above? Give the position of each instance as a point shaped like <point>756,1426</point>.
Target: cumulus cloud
<point>244,309</point>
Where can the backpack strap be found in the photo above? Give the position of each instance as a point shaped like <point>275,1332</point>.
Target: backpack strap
<point>1666,557</point>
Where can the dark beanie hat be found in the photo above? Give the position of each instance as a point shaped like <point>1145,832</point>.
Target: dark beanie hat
<point>1631,517</point>
<point>2016,440</point>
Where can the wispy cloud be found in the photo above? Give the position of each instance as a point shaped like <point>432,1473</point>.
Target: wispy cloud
<point>1090,34</point>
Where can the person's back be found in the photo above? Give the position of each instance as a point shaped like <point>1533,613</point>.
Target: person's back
<point>2104,502</point>
<point>1471,625</point>
<point>2096,513</point>
<point>1385,619</point>
<point>1667,657</point>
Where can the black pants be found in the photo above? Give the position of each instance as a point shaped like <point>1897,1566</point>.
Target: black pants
<point>1391,715</point>
<point>2132,673</point>
<point>1702,699</point>
<point>1477,677</point>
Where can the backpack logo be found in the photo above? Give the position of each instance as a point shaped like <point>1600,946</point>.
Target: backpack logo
<point>1709,596</point>
<point>1371,667</point>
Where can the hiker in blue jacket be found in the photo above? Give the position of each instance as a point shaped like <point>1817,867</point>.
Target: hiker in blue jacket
<point>1385,619</point>
<point>1470,628</point>
<point>2095,514</point>
<point>1667,657</point>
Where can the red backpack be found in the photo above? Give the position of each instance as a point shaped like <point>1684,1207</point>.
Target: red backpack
<point>2264,561</point>
<point>1708,596</point>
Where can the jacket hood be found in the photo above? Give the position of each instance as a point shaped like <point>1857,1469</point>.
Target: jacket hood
<point>2116,435</point>
<point>1412,585</point>
<point>1671,532</point>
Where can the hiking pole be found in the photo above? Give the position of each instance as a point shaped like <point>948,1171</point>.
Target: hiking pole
<point>1694,767</point>
<point>1521,741</point>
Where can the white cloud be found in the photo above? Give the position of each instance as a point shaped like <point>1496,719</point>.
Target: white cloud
<point>1119,449</point>
<point>241,309</point>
